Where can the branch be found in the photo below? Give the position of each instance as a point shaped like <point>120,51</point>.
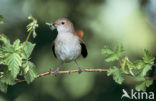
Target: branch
<point>66,72</point>
<point>70,71</point>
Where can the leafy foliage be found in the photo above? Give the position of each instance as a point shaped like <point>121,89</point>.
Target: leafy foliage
<point>14,59</point>
<point>113,55</point>
<point>137,70</point>
<point>3,87</point>
<point>142,86</point>
<point>117,75</point>
<point>29,71</point>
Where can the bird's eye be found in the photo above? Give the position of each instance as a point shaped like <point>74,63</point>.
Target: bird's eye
<point>63,23</point>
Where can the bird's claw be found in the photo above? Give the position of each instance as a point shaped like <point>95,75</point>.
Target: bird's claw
<point>79,70</point>
<point>50,71</point>
<point>56,71</point>
<point>70,72</point>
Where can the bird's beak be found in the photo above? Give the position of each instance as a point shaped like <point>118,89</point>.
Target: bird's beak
<point>51,25</point>
<point>56,24</point>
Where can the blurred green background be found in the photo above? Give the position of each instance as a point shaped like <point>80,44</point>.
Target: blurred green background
<point>104,22</point>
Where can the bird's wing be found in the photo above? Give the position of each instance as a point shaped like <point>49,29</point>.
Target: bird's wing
<point>84,52</point>
<point>53,49</point>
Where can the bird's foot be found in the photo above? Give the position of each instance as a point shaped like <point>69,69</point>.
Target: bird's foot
<point>79,70</point>
<point>50,71</point>
<point>70,71</point>
<point>56,71</point>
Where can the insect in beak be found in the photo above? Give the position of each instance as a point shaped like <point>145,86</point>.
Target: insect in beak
<point>51,25</point>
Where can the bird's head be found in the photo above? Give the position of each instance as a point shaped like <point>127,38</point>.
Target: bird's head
<point>62,25</point>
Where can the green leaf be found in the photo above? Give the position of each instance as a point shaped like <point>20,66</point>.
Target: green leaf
<point>4,40</point>
<point>17,45</point>
<point>123,64</point>
<point>148,58</point>
<point>139,64</point>
<point>117,76</point>
<point>113,55</point>
<point>28,50</point>
<point>119,50</point>
<point>1,19</point>
<point>111,58</point>
<point>3,87</point>
<point>107,50</point>
<point>146,68</point>
<point>8,78</point>
<point>148,82</point>
<point>2,56</point>
<point>130,67</point>
<point>112,70</point>
<point>143,85</point>
<point>127,66</point>
<point>29,72</point>
<point>13,61</point>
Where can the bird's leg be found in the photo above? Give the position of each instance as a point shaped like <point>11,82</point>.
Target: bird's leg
<point>57,69</point>
<point>79,68</point>
<point>50,71</point>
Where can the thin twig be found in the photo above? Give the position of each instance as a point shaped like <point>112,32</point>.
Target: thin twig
<point>69,72</point>
<point>27,39</point>
<point>65,72</point>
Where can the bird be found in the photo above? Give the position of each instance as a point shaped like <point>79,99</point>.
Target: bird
<point>68,45</point>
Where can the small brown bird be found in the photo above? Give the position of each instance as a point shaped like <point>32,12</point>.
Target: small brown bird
<point>68,45</point>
